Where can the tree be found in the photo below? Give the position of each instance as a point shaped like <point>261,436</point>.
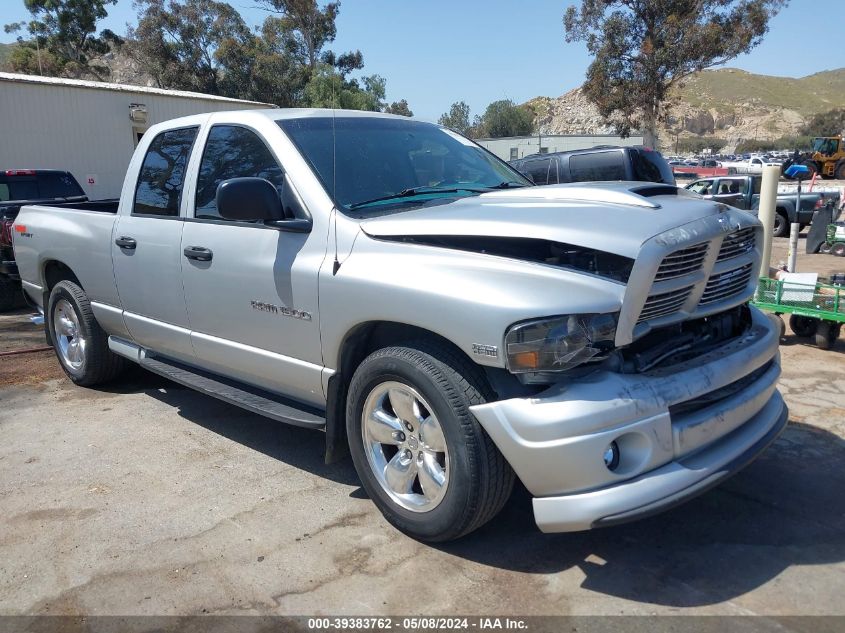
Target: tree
<point>178,42</point>
<point>399,107</point>
<point>457,118</point>
<point>328,88</point>
<point>825,123</point>
<point>504,118</point>
<point>63,38</point>
<point>311,27</point>
<point>644,48</point>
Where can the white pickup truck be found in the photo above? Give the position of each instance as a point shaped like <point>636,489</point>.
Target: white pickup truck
<point>449,324</point>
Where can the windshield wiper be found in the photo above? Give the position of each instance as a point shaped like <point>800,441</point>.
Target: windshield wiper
<point>509,184</point>
<point>417,191</point>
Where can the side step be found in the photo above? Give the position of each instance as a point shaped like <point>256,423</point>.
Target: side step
<point>249,398</point>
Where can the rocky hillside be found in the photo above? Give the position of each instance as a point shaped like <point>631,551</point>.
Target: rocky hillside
<point>726,105</point>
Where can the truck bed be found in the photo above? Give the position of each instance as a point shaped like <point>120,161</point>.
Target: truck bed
<point>77,235</point>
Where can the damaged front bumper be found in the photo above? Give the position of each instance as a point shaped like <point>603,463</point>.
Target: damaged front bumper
<point>678,431</point>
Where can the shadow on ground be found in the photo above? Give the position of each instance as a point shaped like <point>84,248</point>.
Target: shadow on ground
<point>786,509</point>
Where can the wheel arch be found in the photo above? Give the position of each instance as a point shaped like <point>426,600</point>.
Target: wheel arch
<point>358,343</point>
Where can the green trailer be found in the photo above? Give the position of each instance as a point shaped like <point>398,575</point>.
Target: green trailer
<point>815,311</point>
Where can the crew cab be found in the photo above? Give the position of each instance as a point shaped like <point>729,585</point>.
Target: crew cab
<point>452,326</point>
<point>743,192</point>
<point>17,188</point>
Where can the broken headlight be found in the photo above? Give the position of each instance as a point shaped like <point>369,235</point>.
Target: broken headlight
<point>559,343</point>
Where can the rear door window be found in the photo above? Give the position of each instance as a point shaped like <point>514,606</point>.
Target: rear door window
<point>597,166</point>
<point>162,176</point>
<point>538,171</point>
<point>232,152</point>
<point>58,186</point>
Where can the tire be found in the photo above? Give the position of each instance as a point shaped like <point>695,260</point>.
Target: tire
<point>839,172</point>
<point>838,249</point>
<point>803,326</point>
<point>812,166</point>
<point>825,248</point>
<point>826,334</point>
<point>80,343</point>
<point>779,324</point>
<point>11,296</point>
<point>474,479</point>
<point>781,228</point>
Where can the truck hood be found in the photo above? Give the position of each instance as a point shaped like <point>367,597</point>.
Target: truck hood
<point>612,217</point>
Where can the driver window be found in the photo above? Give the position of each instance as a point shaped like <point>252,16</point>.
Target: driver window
<point>232,152</point>
<point>702,187</point>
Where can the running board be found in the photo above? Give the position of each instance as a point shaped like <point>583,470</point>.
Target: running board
<point>249,398</point>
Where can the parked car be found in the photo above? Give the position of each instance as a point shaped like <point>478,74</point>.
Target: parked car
<point>743,192</point>
<point>600,163</point>
<point>391,283</point>
<point>17,188</point>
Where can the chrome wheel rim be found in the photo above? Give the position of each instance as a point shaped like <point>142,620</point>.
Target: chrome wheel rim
<point>405,446</point>
<point>69,340</point>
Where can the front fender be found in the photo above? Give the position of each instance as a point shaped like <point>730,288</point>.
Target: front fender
<point>467,298</point>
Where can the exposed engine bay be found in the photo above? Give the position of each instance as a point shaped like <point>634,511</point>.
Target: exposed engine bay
<point>578,258</point>
<point>680,342</point>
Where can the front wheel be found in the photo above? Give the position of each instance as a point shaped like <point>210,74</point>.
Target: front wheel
<point>838,249</point>
<point>80,343</point>
<point>421,455</point>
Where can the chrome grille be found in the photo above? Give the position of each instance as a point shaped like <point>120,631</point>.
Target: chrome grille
<point>681,262</point>
<point>664,303</point>
<point>737,244</point>
<point>723,285</point>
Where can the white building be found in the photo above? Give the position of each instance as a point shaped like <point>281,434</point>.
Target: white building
<point>86,127</point>
<point>513,147</point>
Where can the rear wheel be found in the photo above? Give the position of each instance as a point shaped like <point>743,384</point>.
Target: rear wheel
<point>826,334</point>
<point>839,172</point>
<point>80,343</point>
<point>803,326</point>
<point>824,248</point>
<point>781,224</point>
<point>421,455</point>
<point>838,249</point>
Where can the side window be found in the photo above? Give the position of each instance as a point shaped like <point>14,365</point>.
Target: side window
<point>702,187</point>
<point>598,166</point>
<point>514,153</point>
<point>538,171</point>
<point>554,167</point>
<point>757,184</point>
<point>232,152</point>
<point>162,174</point>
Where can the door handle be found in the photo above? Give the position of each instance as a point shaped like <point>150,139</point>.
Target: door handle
<point>200,253</point>
<point>126,242</point>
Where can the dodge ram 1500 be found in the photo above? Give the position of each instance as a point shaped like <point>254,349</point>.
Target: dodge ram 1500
<point>449,324</point>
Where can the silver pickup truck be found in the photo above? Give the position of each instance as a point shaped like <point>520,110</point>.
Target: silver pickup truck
<point>453,327</point>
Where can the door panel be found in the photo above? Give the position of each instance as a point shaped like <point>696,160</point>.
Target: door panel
<point>253,307</point>
<point>146,249</point>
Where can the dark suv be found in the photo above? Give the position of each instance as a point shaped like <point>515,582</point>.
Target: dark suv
<point>604,162</point>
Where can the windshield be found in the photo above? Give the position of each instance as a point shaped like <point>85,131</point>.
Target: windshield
<point>370,164</point>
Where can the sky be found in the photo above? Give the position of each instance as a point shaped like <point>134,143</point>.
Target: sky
<point>436,52</point>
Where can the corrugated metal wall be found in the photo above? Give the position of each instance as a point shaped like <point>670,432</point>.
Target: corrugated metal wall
<point>85,131</point>
<point>527,145</point>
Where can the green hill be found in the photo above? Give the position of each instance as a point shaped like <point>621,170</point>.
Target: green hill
<point>727,88</point>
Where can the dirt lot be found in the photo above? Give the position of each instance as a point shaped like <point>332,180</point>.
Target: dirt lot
<point>148,498</point>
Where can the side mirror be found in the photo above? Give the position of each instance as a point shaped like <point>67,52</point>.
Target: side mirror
<point>248,199</point>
